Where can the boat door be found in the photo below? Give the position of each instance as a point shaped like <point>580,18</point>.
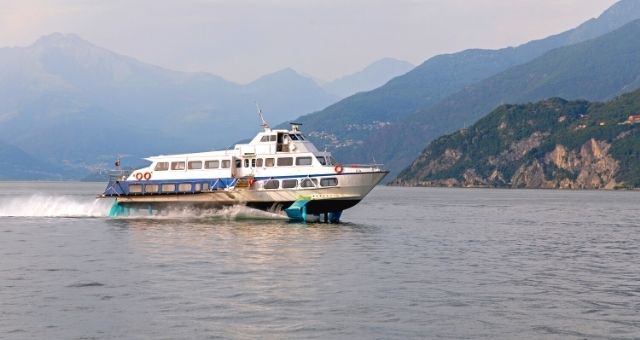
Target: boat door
<point>236,167</point>
<point>249,166</point>
<point>243,166</point>
<point>282,142</point>
<point>279,142</point>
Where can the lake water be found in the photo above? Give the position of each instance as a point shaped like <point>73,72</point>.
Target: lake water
<point>406,263</point>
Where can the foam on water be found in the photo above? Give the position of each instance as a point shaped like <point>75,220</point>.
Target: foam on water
<point>236,212</point>
<point>239,212</point>
<point>53,206</point>
<point>81,206</point>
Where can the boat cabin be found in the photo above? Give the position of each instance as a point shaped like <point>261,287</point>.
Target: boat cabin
<point>270,153</point>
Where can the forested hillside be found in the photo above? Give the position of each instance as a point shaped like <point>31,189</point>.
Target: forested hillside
<point>550,144</point>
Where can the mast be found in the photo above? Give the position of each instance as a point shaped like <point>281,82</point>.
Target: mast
<point>264,124</point>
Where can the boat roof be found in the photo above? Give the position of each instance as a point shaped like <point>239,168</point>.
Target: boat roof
<point>230,152</point>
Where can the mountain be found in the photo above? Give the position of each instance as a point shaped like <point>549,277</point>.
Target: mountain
<point>353,126</point>
<point>18,165</point>
<point>284,91</point>
<point>65,100</point>
<point>597,69</point>
<point>550,144</point>
<point>371,77</point>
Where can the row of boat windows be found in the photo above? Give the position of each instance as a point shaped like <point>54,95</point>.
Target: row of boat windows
<point>271,162</point>
<point>273,138</point>
<point>248,163</point>
<point>304,183</point>
<point>196,187</point>
<point>193,165</point>
<point>168,187</point>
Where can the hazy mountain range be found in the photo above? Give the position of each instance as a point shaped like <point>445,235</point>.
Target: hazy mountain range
<point>595,70</point>
<point>371,77</point>
<point>70,104</point>
<point>67,106</point>
<point>392,123</point>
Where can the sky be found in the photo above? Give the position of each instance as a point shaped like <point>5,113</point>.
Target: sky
<point>241,40</point>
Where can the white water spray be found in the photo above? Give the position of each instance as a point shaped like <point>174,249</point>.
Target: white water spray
<point>53,206</point>
<point>236,212</point>
<point>81,206</point>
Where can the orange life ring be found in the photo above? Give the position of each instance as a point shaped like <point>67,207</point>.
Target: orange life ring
<point>139,176</point>
<point>338,169</point>
<point>147,176</point>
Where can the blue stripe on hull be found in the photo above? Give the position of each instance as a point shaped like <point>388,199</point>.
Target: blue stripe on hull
<point>121,188</point>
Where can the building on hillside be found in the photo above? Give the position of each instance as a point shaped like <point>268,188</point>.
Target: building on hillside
<point>633,119</point>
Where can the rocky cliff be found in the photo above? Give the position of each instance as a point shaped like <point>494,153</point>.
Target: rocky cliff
<point>550,144</point>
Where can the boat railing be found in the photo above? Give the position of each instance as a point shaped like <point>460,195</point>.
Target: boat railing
<point>119,175</point>
<point>367,166</point>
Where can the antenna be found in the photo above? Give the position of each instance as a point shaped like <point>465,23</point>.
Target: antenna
<point>264,125</point>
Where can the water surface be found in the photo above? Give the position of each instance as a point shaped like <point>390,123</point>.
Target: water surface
<point>406,263</point>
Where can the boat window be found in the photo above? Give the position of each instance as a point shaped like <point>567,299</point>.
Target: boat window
<point>322,160</point>
<point>162,166</point>
<point>253,163</point>
<point>300,137</point>
<point>329,182</point>
<point>135,189</point>
<point>293,137</point>
<point>289,183</point>
<point>285,161</point>
<point>309,183</point>
<point>212,164</point>
<point>226,164</point>
<point>168,187</point>
<point>269,162</point>
<point>271,184</point>
<point>151,188</point>
<point>195,165</point>
<point>238,163</point>
<point>198,187</point>
<point>259,162</point>
<point>303,160</point>
<point>177,165</point>
<point>246,163</point>
<point>184,187</point>
<point>272,138</point>
<point>205,186</point>
<point>332,160</point>
<point>264,139</point>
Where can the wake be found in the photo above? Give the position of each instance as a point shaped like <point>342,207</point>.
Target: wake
<point>53,206</point>
<point>236,212</point>
<point>76,206</point>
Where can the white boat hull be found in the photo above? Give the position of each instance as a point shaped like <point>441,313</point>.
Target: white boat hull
<point>353,187</point>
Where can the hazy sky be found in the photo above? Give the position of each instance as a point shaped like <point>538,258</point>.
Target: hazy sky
<point>243,39</point>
